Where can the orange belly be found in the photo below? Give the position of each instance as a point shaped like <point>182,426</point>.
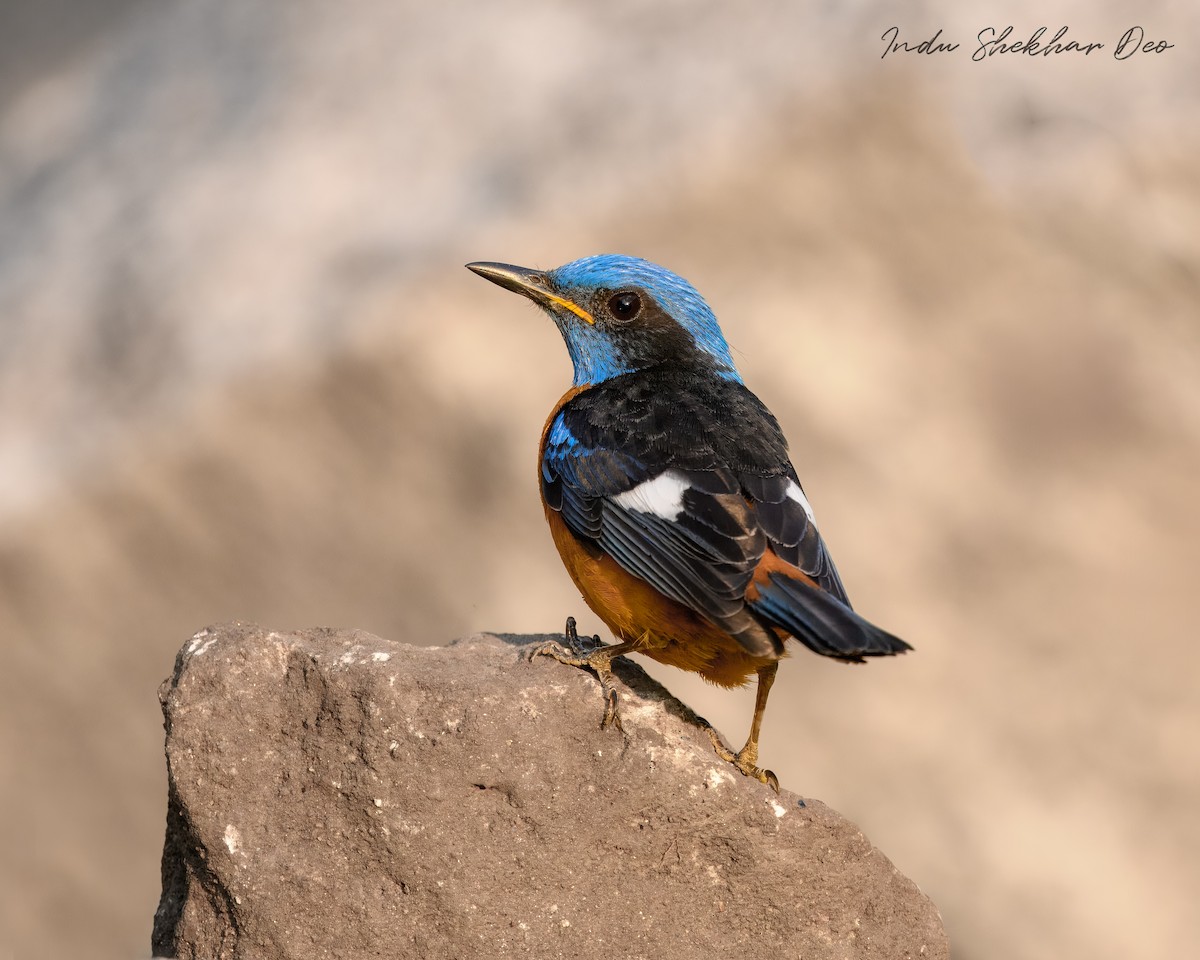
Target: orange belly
<point>633,610</point>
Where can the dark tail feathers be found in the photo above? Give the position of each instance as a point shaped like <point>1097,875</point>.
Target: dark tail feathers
<point>821,622</point>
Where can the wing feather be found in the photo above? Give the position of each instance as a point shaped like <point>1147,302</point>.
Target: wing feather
<point>688,488</point>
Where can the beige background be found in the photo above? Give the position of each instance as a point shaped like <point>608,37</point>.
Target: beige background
<point>244,375</point>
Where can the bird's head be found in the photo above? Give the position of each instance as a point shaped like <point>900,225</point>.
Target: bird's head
<point>619,314</point>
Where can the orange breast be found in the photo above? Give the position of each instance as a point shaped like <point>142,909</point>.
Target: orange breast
<point>634,611</point>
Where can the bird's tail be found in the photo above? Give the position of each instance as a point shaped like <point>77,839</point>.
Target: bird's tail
<point>820,621</point>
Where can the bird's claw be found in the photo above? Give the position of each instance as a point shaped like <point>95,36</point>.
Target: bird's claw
<point>587,645</point>
<point>551,648</point>
<point>595,656</point>
<point>612,712</point>
<point>745,760</point>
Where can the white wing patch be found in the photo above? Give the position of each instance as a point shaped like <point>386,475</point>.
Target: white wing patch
<point>795,493</point>
<point>662,496</point>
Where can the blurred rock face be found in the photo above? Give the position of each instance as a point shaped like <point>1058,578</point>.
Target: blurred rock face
<point>244,375</point>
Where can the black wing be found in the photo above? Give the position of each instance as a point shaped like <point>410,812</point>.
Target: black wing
<point>686,485</point>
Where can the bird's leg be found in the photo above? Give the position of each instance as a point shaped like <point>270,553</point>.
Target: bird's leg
<point>746,759</point>
<point>594,655</point>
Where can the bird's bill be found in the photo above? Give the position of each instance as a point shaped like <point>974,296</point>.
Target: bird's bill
<point>528,283</point>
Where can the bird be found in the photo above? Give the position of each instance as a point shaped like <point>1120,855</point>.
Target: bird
<point>671,497</point>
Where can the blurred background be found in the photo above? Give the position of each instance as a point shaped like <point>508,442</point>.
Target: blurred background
<point>244,375</point>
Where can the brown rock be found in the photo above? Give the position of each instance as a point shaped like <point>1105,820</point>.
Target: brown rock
<point>333,794</point>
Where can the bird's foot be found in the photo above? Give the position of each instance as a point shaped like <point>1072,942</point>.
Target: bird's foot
<point>593,655</point>
<point>746,760</point>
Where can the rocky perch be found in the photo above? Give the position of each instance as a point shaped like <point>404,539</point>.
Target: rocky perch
<point>333,794</point>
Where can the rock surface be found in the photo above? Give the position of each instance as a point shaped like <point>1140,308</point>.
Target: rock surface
<point>333,794</point>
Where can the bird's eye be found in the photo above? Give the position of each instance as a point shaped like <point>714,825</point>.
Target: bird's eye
<point>625,306</point>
